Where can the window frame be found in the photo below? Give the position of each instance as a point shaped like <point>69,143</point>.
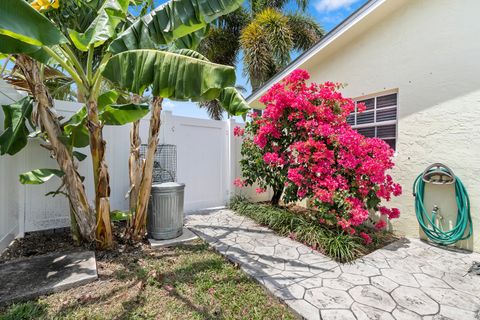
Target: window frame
<point>376,124</point>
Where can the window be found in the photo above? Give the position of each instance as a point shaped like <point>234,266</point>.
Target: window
<point>379,119</point>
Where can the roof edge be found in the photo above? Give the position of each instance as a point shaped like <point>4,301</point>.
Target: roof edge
<point>341,28</point>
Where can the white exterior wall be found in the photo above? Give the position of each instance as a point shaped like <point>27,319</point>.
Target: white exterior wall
<point>429,51</point>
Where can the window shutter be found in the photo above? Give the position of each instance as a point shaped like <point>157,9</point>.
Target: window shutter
<point>379,120</point>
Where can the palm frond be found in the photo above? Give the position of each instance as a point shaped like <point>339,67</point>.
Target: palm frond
<point>259,63</point>
<point>213,108</point>
<point>302,4</point>
<point>276,28</point>
<point>222,44</point>
<point>305,31</point>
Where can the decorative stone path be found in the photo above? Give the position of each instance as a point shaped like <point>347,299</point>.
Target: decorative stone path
<point>406,280</point>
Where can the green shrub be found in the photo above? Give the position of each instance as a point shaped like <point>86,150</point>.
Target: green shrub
<point>304,228</point>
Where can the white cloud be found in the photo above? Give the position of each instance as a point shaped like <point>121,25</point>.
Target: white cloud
<point>332,5</point>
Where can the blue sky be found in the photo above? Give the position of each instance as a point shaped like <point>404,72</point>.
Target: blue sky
<point>329,13</point>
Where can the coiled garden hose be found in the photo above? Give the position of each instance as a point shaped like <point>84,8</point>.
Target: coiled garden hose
<point>428,222</point>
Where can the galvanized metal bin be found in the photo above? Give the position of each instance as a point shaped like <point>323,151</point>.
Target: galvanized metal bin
<point>165,211</point>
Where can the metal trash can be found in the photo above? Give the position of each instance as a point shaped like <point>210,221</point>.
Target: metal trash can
<point>165,211</point>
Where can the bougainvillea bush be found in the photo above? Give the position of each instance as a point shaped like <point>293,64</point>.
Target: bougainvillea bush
<point>302,145</point>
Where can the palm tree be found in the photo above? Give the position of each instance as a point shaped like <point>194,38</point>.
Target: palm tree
<point>266,34</point>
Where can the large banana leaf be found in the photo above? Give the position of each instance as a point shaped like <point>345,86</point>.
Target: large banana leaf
<point>112,114</point>
<point>169,75</point>
<point>108,112</point>
<point>76,131</point>
<point>18,20</point>
<point>12,45</point>
<point>39,176</point>
<point>229,98</point>
<point>107,98</point>
<point>110,14</point>
<point>170,21</point>
<point>190,41</point>
<point>117,115</point>
<point>15,136</point>
<point>233,102</point>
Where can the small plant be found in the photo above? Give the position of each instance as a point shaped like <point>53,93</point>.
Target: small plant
<point>25,311</point>
<point>303,146</point>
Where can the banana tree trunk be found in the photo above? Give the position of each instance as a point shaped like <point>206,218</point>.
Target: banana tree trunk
<point>135,164</point>
<point>49,124</point>
<point>74,229</point>
<point>134,161</point>
<point>140,218</point>
<point>100,177</point>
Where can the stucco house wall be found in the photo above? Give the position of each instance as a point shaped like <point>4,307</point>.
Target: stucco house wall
<point>429,52</point>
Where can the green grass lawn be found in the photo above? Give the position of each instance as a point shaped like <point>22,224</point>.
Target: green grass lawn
<point>187,282</point>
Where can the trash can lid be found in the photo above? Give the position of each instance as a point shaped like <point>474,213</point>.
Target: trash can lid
<point>166,186</point>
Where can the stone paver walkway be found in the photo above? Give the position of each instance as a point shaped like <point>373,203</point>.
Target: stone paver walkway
<point>406,280</point>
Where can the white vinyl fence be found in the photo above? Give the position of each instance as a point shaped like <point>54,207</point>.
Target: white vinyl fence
<point>207,162</point>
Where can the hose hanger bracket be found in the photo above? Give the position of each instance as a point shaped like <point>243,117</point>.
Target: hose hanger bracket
<point>432,224</point>
<point>438,173</point>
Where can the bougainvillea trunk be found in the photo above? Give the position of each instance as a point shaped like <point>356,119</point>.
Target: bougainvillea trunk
<point>48,122</point>
<point>100,177</point>
<point>140,218</point>
<point>277,195</point>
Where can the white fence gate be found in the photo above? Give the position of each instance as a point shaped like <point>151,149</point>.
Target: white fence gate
<point>207,162</point>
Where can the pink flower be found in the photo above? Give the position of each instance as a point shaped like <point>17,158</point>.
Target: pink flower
<point>397,189</point>
<point>381,224</point>
<point>390,213</point>
<point>295,176</point>
<point>260,190</point>
<point>273,158</point>
<point>366,238</point>
<point>344,224</point>
<point>394,213</point>
<point>239,183</point>
<point>238,132</point>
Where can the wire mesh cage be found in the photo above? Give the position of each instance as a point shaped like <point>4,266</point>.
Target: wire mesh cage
<point>165,162</point>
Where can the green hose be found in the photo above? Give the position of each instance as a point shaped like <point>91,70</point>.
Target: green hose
<point>428,222</point>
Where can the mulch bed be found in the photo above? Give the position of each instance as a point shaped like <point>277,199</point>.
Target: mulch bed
<point>38,243</point>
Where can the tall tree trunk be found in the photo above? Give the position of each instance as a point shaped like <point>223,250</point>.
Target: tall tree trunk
<point>100,177</point>
<point>49,124</point>
<point>140,218</point>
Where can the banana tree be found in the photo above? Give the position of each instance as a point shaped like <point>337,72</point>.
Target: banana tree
<point>173,75</point>
<point>86,56</point>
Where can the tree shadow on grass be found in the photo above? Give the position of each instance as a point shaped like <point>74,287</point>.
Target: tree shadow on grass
<point>168,281</point>
<point>147,275</point>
